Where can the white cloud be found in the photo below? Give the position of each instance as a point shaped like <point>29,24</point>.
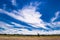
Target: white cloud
<point>13,2</point>
<point>23,31</point>
<point>5,25</point>
<point>29,15</point>
<point>56,16</point>
<point>27,32</point>
<point>18,25</point>
<point>53,23</point>
<point>10,26</point>
<point>56,24</point>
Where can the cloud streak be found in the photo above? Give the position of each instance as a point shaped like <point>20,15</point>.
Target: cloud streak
<point>13,2</point>
<point>56,16</point>
<point>53,22</point>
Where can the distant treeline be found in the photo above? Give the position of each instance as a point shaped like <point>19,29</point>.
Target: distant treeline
<point>28,35</point>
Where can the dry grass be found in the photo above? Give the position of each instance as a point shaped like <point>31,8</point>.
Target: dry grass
<point>29,37</point>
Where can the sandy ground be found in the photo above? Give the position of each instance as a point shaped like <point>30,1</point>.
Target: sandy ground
<point>29,38</point>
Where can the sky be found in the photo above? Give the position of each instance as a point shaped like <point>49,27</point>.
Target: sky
<point>30,17</point>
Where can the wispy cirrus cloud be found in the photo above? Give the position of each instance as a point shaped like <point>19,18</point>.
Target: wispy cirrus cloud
<point>13,2</point>
<point>53,22</point>
<point>57,14</point>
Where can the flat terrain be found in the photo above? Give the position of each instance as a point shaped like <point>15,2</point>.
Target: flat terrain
<point>29,37</point>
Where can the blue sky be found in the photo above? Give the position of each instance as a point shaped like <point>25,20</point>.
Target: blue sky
<point>30,17</point>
